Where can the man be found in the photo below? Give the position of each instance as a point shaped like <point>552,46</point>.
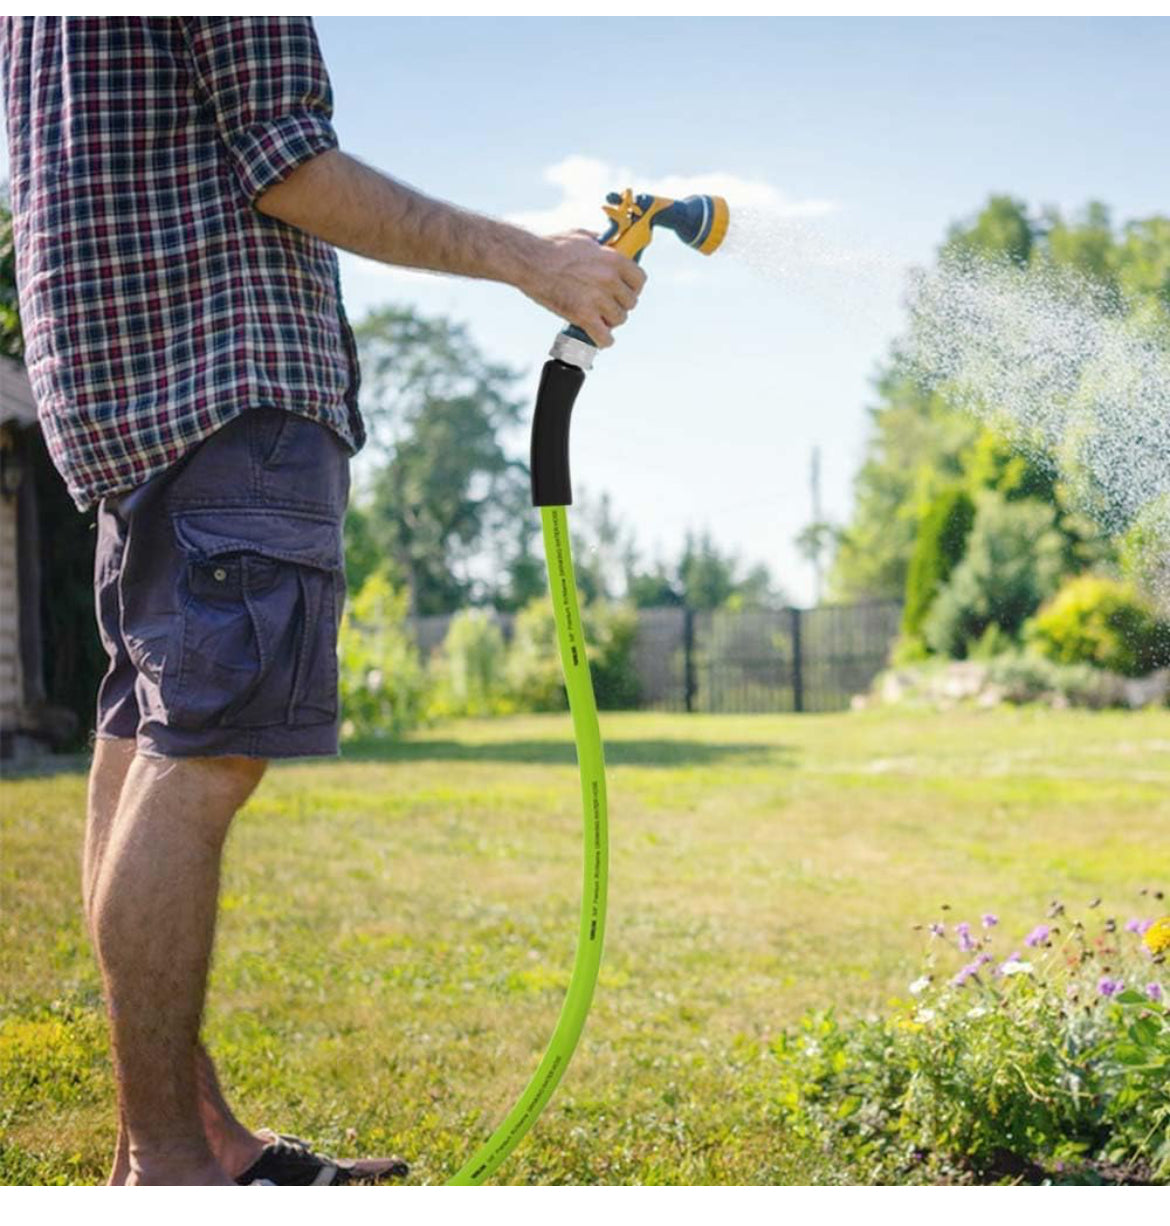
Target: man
<point>177,192</point>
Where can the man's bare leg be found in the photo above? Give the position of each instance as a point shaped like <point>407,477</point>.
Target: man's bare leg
<point>111,760</point>
<point>234,1146</point>
<point>152,881</point>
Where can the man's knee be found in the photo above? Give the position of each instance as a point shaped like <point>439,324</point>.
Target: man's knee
<point>215,787</point>
<point>236,778</point>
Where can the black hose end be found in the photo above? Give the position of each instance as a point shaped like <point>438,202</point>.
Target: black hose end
<point>559,384</point>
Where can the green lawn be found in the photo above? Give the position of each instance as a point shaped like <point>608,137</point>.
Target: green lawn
<point>397,926</point>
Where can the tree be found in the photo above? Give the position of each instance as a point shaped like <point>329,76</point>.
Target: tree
<point>653,588</point>
<point>1002,228</point>
<point>1013,562</point>
<point>921,442</point>
<point>600,546</point>
<point>448,492</point>
<point>914,453</point>
<point>938,549</point>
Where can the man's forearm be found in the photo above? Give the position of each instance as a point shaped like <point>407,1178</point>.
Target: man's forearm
<point>338,199</point>
<point>348,204</point>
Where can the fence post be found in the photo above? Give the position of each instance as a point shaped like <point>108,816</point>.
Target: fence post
<point>797,662</point>
<point>689,657</point>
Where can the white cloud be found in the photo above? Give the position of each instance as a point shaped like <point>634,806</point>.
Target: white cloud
<point>584,183</point>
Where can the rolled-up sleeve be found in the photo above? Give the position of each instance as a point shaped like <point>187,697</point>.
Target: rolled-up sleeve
<point>266,82</point>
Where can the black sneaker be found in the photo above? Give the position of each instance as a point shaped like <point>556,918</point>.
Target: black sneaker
<point>289,1162</point>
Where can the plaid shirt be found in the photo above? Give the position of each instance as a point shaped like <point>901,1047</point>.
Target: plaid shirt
<point>157,302</point>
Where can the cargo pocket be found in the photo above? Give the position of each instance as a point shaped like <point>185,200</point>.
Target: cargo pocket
<point>259,623</point>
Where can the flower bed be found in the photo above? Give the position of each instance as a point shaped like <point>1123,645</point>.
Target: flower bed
<point>1045,1059</point>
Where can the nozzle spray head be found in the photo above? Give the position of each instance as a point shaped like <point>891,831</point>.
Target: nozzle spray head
<point>700,221</point>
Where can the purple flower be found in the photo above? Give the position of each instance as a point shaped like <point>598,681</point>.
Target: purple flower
<point>968,972</point>
<point>1109,987</point>
<point>1134,925</point>
<point>937,930</point>
<point>1154,991</point>
<point>967,943</point>
<point>990,921</point>
<point>1038,935</point>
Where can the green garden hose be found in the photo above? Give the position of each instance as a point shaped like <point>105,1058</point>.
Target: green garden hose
<point>701,223</point>
<point>591,932</point>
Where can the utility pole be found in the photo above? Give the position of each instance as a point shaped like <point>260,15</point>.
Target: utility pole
<point>817,518</point>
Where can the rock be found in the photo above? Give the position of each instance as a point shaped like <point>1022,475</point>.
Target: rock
<point>1151,691</point>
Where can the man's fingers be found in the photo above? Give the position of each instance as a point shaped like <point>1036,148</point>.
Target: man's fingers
<point>626,296</point>
<point>615,315</point>
<point>599,332</point>
<point>632,275</point>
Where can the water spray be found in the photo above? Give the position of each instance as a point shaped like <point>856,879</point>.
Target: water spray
<point>701,223</point>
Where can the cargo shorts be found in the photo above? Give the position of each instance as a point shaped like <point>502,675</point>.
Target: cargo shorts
<point>219,587</point>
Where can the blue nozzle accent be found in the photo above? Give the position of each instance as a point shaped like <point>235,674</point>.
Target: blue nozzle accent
<point>691,219</point>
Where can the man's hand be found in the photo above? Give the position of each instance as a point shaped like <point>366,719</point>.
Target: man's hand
<point>340,200</point>
<point>591,286</point>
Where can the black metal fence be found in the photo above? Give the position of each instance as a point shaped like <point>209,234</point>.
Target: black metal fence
<point>761,660</point>
<point>745,660</point>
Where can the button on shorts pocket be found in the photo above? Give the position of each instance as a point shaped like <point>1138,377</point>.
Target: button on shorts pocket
<point>261,604</point>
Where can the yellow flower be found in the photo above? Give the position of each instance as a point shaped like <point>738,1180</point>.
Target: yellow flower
<point>1157,936</point>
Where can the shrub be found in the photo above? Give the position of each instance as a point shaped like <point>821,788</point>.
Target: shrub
<point>938,549</point>
<point>1145,549</point>
<point>1046,1062</point>
<point>611,631</point>
<point>534,665</point>
<point>1099,621</point>
<point>534,673</point>
<point>468,672</point>
<point>1025,678</point>
<point>1013,562</point>
<point>383,684</point>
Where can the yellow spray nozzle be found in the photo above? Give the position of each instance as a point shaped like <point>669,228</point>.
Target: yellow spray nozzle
<point>700,221</point>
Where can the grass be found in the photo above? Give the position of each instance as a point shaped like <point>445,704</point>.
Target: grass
<point>397,926</point>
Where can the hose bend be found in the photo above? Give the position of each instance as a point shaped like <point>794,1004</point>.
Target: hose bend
<point>591,929</point>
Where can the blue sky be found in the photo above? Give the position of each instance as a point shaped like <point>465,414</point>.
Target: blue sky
<point>876,133</point>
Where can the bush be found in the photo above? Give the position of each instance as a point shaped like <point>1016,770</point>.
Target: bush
<point>1049,1061</point>
<point>1099,621</point>
<point>468,672</point>
<point>1013,562</point>
<point>383,684</point>
<point>533,668</point>
<point>535,679</point>
<point>938,549</point>
<point>1145,550</point>
<point>1025,678</point>
<point>611,631</point>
